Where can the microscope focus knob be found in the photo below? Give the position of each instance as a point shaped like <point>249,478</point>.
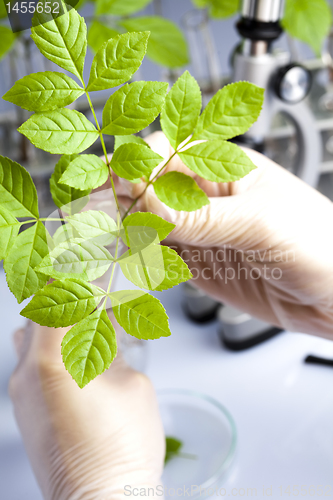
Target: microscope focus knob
<point>293,83</point>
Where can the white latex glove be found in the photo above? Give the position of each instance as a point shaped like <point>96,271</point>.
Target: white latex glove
<point>270,215</point>
<point>84,443</point>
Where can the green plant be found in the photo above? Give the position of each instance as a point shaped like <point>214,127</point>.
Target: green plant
<point>167,45</point>
<point>77,254</point>
<point>173,449</point>
<point>308,20</point>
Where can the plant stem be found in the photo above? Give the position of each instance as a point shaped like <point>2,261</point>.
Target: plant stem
<point>41,220</point>
<point>92,110</point>
<point>49,219</point>
<point>148,184</point>
<point>106,156</point>
<point>114,264</point>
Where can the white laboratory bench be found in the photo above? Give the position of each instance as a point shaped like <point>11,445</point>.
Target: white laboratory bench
<point>283,408</point>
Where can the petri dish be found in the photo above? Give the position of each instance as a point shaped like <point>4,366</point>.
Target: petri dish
<point>208,435</point>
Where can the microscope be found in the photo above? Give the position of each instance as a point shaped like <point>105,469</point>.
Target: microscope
<point>286,85</point>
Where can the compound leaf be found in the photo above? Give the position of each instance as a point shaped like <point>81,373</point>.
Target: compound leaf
<point>63,195</point>
<point>217,161</point>
<point>117,60</point>
<point>182,109</point>
<point>26,253</point>
<point>62,40</point>
<point>180,191</point>
<point>44,91</point>
<point>124,139</point>
<point>9,228</point>
<point>94,225</point>
<point>133,107</point>
<point>98,34</point>
<point>119,7</point>
<point>309,21</point>
<point>155,267</point>
<point>89,348</point>
<point>18,194</point>
<point>76,259</point>
<point>63,303</point>
<point>167,45</point>
<point>131,161</point>
<point>140,315</point>
<point>85,172</point>
<point>63,131</point>
<point>231,112</point>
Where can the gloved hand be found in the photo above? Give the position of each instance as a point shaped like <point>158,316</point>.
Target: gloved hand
<point>90,443</point>
<point>263,245</point>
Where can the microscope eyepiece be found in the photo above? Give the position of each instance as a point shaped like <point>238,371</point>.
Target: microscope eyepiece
<point>260,19</point>
<point>264,11</point>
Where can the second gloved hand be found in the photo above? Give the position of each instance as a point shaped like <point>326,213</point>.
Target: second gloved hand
<point>263,245</point>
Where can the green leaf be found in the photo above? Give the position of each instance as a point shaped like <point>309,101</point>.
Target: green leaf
<point>89,348</point>
<point>64,196</point>
<point>217,161</point>
<point>26,253</point>
<point>94,225</point>
<point>76,259</point>
<point>155,267</point>
<point>98,34</point>
<point>117,60</point>
<point>131,161</point>
<point>167,45</point>
<point>308,20</point>
<point>149,220</point>
<point>63,131</point>
<point>119,140</point>
<point>231,112</point>
<point>63,303</point>
<point>133,107</point>
<point>179,191</point>
<point>140,315</point>
<point>18,194</point>
<point>9,228</point>
<point>172,448</point>
<point>7,38</point>
<point>143,229</point>
<point>44,91</point>
<point>62,40</point>
<point>182,109</point>
<point>220,9</point>
<point>3,10</point>
<point>119,7</point>
<point>85,172</point>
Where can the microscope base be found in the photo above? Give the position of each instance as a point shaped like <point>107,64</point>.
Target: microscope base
<point>240,345</point>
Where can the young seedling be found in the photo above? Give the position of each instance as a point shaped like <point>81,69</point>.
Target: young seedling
<point>77,254</point>
<point>173,449</point>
